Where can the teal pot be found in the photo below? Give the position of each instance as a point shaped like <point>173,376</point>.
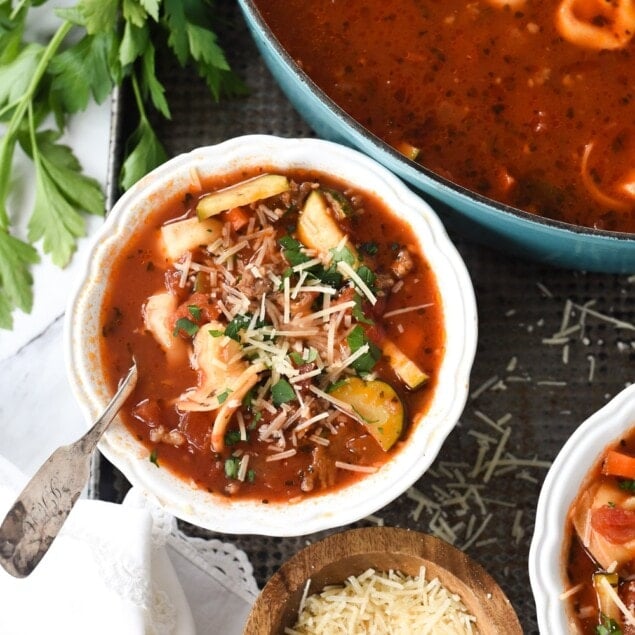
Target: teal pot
<point>481,219</point>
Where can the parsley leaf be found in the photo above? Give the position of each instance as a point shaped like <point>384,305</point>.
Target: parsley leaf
<point>97,45</point>
<point>15,279</point>
<point>153,458</point>
<point>367,276</point>
<point>232,465</point>
<point>358,311</point>
<point>292,251</point>
<point>232,437</point>
<point>370,248</point>
<point>282,392</point>
<point>194,311</point>
<point>627,485</point>
<point>356,339</point>
<point>234,327</point>
<point>81,71</point>
<point>608,626</point>
<point>222,396</point>
<point>343,254</point>
<point>185,325</point>
<point>147,152</point>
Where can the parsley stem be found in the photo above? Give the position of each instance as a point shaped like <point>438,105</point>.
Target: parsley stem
<point>139,99</point>
<point>7,145</point>
<point>17,9</point>
<point>27,98</point>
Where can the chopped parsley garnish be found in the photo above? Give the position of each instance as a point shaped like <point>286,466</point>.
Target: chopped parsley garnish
<point>185,325</point>
<point>282,392</point>
<point>234,327</point>
<point>331,276</point>
<point>296,358</point>
<point>251,475</point>
<point>343,254</point>
<point>366,362</point>
<point>232,465</point>
<point>627,485</point>
<point>222,397</point>
<point>367,276</point>
<point>335,385</point>
<point>292,250</point>
<point>195,311</point>
<point>358,311</point>
<point>306,357</point>
<point>370,248</point>
<point>608,626</point>
<point>216,333</point>
<point>248,399</point>
<point>255,420</point>
<point>232,437</point>
<point>153,457</point>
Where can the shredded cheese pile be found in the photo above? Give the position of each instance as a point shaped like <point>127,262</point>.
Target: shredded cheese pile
<point>387,603</point>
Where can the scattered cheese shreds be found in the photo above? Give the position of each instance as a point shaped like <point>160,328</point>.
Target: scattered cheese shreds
<point>376,602</point>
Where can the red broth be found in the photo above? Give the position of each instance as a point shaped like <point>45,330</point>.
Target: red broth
<point>600,537</point>
<point>181,440</point>
<point>506,99</point>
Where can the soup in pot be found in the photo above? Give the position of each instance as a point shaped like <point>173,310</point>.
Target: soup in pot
<point>531,104</point>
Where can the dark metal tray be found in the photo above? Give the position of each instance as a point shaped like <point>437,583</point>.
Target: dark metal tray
<point>531,385</point>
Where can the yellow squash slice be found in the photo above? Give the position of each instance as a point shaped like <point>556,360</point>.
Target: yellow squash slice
<point>242,193</point>
<point>377,405</point>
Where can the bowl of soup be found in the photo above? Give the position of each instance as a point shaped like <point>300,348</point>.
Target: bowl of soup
<point>395,580</point>
<point>582,554</point>
<point>303,328</point>
<point>518,116</point>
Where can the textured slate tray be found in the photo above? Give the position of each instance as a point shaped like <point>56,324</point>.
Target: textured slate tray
<point>530,390</point>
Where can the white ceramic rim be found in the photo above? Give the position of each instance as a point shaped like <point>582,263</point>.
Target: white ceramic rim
<point>320,512</point>
<point>563,481</point>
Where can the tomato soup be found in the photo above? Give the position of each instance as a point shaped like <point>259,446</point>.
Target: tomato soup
<point>529,103</point>
<point>600,559</point>
<point>287,330</point>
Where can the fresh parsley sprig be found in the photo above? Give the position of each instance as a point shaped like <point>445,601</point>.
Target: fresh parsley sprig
<point>98,45</point>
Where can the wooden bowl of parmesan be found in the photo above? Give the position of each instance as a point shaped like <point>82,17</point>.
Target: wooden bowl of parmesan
<point>381,579</point>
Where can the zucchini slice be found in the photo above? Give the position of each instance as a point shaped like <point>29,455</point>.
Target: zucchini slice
<point>318,229</point>
<point>404,367</point>
<point>188,234</point>
<point>243,193</point>
<point>377,405</point>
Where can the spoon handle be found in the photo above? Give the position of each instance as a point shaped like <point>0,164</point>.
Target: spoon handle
<point>40,510</point>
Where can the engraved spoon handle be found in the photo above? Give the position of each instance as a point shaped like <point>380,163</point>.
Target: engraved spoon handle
<point>40,510</point>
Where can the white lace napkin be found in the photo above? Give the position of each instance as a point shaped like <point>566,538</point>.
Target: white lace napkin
<point>125,569</point>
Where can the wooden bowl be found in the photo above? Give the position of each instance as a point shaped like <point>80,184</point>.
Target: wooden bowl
<point>332,560</point>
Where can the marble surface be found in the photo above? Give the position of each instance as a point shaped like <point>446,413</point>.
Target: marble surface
<point>37,409</point>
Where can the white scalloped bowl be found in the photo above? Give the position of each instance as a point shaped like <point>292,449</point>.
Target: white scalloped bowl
<point>562,484</point>
<point>321,511</point>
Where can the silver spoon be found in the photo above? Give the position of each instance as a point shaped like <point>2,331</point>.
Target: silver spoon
<point>40,510</point>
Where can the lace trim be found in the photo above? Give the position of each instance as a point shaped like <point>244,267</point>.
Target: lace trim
<point>221,561</point>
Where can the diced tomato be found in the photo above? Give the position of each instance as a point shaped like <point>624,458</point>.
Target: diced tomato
<point>375,333</point>
<point>237,217</point>
<point>198,309</point>
<point>619,464</point>
<point>615,524</point>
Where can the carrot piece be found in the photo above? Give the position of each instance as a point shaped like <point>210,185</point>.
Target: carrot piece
<point>237,217</point>
<point>619,464</point>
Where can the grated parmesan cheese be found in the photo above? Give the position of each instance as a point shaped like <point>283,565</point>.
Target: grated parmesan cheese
<point>389,602</point>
